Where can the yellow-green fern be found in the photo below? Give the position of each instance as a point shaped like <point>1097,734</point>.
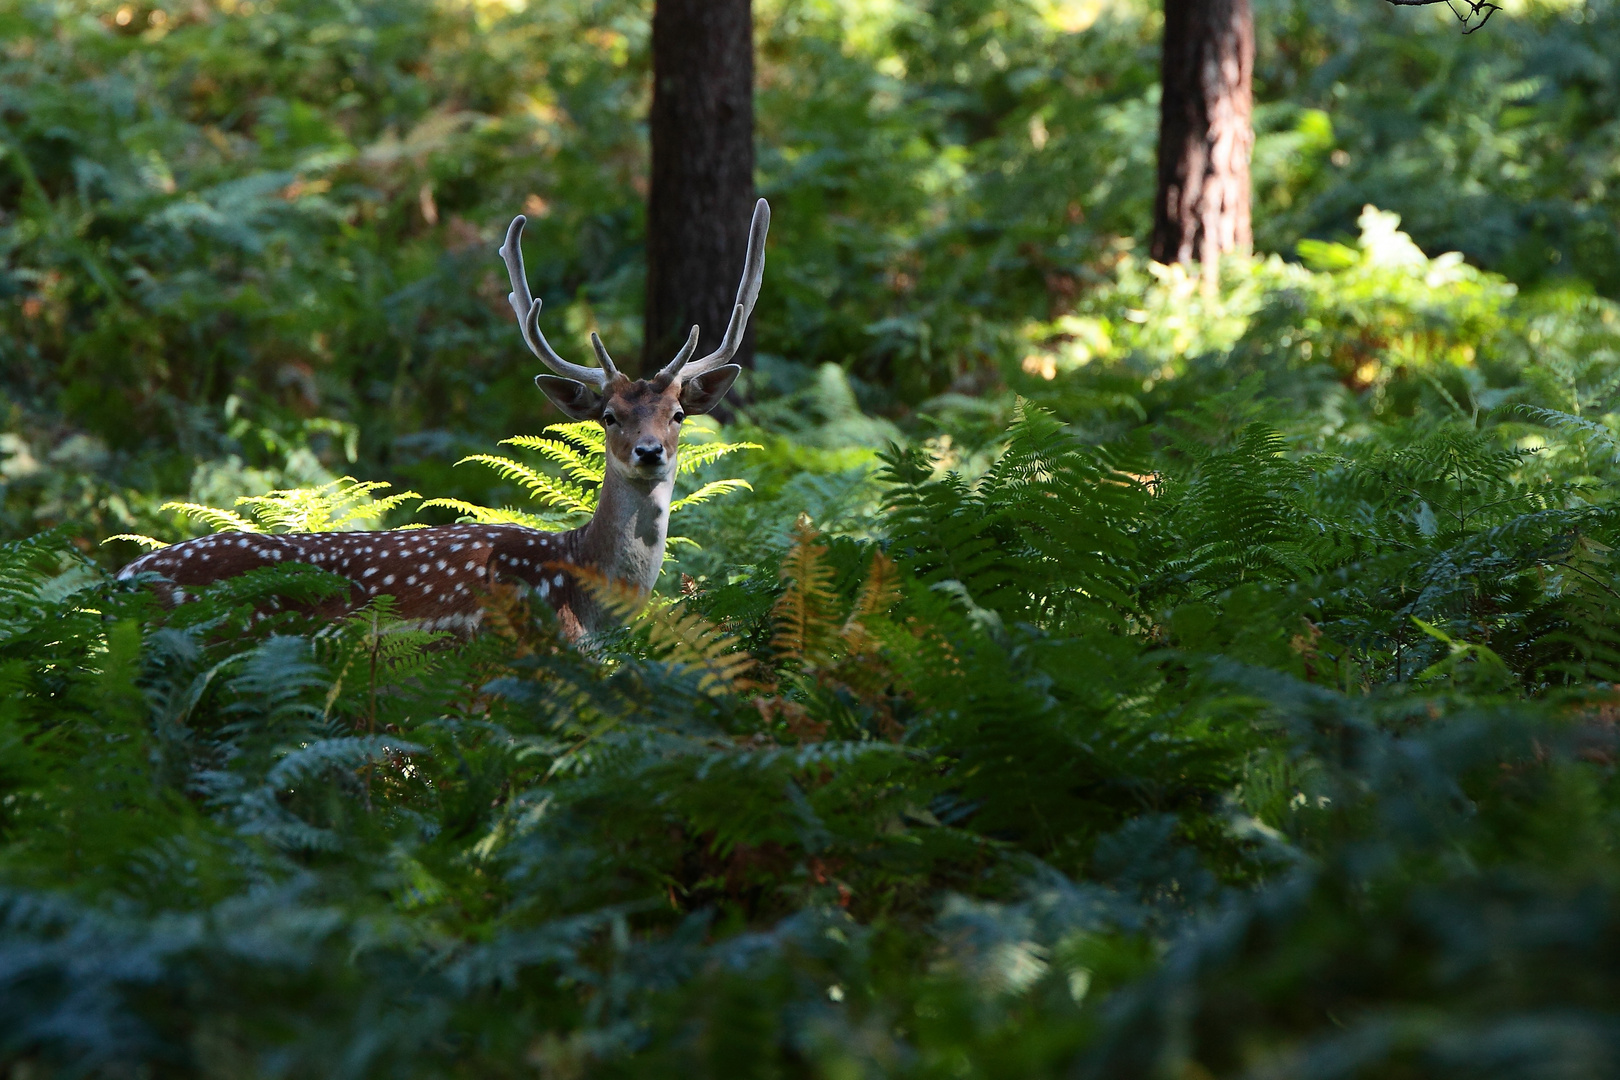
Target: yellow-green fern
<point>343,504</point>
<point>580,449</point>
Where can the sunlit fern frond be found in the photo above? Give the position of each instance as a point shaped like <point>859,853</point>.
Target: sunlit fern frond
<point>712,490</point>
<point>587,435</point>
<point>341,504</point>
<point>136,538</point>
<point>373,510</point>
<point>584,465</point>
<point>802,614</point>
<point>217,520</point>
<point>338,505</point>
<point>685,638</point>
<point>696,455</point>
<point>488,515</point>
<point>549,490</point>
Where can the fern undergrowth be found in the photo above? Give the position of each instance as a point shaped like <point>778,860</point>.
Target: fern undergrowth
<point>1102,759</point>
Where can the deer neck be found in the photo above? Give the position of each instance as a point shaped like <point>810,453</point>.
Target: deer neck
<point>624,541</point>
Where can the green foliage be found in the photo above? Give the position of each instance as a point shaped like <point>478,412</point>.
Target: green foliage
<point>579,451</point>
<point>1097,729</point>
<point>343,504</point>
<point>249,247</point>
<point>1207,682</point>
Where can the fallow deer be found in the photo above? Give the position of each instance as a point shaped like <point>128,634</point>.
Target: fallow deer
<point>439,576</point>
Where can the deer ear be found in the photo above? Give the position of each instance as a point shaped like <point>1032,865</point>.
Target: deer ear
<point>575,399</point>
<point>703,392</point>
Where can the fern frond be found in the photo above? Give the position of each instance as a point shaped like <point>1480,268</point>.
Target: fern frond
<point>879,594</point>
<point>802,613</point>
<point>218,520</point>
<point>489,515</point>
<point>374,510</point>
<point>551,491</point>
<point>586,434</point>
<point>1596,434</point>
<point>696,455</point>
<point>712,490</point>
<point>145,541</point>
<point>338,505</point>
<point>328,507</point>
<point>685,638</point>
<point>345,754</point>
<point>585,466</point>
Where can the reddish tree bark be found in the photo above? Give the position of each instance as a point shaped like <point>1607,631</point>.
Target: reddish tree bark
<point>702,192</point>
<point>1206,132</point>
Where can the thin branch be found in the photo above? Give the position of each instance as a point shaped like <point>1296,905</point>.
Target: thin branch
<point>1465,10</point>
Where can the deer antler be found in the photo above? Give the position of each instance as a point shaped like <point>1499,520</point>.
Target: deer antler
<point>753,275</point>
<point>527,309</point>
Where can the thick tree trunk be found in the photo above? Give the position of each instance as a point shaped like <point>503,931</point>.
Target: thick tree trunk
<point>1205,131</point>
<point>702,196</point>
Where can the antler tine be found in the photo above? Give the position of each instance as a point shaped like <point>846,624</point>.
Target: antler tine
<point>527,309</point>
<point>753,275</point>
<point>603,357</point>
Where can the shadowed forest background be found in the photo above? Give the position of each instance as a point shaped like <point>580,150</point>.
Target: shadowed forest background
<point>1104,669</point>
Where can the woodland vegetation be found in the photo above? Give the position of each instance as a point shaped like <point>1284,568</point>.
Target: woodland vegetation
<point>1076,665</point>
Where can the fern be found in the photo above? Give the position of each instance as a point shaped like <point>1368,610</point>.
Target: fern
<point>485,515</point>
<point>212,517</point>
<point>344,503</point>
<point>147,542</point>
<point>802,616</point>
<point>1047,533</point>
<point>714,489</point>
<point>580,450</point>
<point>686,639</point>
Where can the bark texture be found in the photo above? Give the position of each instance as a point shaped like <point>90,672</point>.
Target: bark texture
<point>702,194</point>
<point>1206,132</point>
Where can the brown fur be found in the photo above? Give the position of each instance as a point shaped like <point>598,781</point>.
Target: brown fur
<point>438,577</point>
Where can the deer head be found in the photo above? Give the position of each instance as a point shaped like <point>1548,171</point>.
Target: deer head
<point>642,418</point>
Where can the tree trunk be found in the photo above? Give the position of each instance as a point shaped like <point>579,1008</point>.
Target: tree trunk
<point>1205,132</point>
<point>702,128</point>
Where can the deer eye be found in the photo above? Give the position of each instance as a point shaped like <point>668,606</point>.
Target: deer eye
<point>678,417</point>
<point>609,419</point>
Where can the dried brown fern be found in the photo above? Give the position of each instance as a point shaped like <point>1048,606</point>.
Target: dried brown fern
<point>803,614</point>
<point>686,638</point>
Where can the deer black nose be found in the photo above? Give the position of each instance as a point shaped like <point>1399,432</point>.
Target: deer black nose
<point>649,455</point>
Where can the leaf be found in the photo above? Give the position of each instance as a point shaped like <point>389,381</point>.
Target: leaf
<point>218,520</point>
<point>802,614</point>
<point>137,538</point>
<point>548,490</point>
<point>686,639</point>
<point>485,515</point>
<point>712,490</point>
<point>696,455</point>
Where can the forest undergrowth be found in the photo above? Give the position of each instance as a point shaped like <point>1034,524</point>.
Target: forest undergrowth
<point>1270,733</point>
<point>1076,667</point>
